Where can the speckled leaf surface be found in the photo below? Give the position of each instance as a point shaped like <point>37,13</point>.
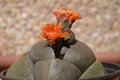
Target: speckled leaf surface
<point>56,69</point>
<point>95,70</point>
<point>80,55</point>
<point>41,70</point>
<point>40,51</point>
<point>22,69</point>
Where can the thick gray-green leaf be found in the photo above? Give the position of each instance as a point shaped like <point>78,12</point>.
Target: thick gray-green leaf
<point>41,70</point>
<point>80,55</point>
<point>40,51</point>
<point>95,70</point>
<point>22,69</point>
<point>56,69</point>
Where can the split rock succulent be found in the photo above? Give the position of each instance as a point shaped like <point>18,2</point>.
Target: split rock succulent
<point>60,56</point>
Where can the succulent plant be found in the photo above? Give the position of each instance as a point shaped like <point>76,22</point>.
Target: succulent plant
<point>60,56</point>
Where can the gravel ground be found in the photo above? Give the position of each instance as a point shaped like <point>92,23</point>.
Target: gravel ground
<point>21,20</point>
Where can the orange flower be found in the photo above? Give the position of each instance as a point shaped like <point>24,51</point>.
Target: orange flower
<point>70,14</point>
<point>52,32</point>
